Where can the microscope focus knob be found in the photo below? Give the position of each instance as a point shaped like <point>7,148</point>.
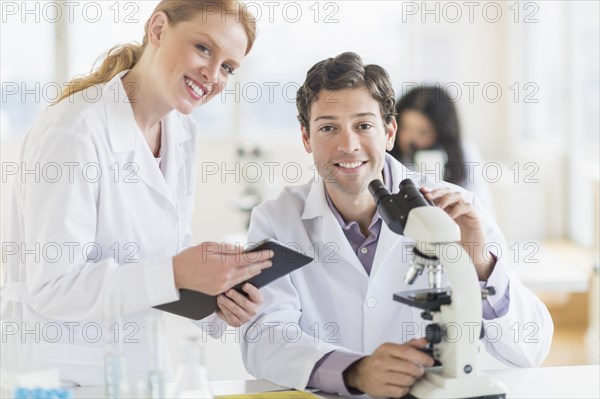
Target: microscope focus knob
<point>434,333</point>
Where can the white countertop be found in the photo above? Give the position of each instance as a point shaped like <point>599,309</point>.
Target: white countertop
<point>543,383</point>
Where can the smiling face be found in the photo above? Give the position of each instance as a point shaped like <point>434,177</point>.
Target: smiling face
<point>194,59</point>
<point>348,139</point>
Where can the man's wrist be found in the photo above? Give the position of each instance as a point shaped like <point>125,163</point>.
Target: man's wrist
<point>485,266</point>
<point>351,375</point>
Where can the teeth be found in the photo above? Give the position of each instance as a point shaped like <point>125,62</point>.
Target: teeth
<point>350,165</point>
<point>199,92</point>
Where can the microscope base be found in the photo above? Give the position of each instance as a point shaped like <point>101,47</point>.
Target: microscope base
<point>436,386</point>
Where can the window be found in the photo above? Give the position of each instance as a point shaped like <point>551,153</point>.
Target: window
<point>296,35</point>
<point>27,66</point>
<point>559,55</point>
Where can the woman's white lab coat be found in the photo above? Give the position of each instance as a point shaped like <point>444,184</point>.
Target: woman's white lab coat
<point>97,218</point>
<point>333,304</point>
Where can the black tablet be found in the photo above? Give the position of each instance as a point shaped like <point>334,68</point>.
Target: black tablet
<point>196,305</point>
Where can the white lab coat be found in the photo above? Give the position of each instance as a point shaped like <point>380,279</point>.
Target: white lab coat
<point>332,304</point>
<point>131,220</point>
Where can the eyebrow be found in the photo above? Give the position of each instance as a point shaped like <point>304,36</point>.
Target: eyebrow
<point>332,117</point>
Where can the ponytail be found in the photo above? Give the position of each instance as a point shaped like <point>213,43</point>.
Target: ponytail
<point>119,58</point>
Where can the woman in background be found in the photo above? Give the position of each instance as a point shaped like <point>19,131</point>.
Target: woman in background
<point>108,232</point>
<point>428,121</point>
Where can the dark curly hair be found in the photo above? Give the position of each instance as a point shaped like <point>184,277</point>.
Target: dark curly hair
<point>345,71</point>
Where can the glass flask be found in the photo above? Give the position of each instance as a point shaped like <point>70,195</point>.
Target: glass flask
<point>155,382</point>
<point>114,359</point>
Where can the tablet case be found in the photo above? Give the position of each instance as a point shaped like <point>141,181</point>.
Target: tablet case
<point>197,305</point>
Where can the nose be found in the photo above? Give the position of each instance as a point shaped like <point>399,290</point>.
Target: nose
<point>348,141</point>
<point>211,72</point>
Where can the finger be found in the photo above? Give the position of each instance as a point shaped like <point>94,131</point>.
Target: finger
<point>462,209</point>
<point>258,256</point>
<point>223,314</point>
<point>227,304</point>
<point>241,259</point>
<point>399,379</point>
<point>231,318</point>
<point>449,200</point>
<point>242,274</point>
<point>240,300</point>
<point>438,193</point>
<point>413,354</point>
<point>418,342</point>
<point>406,368</point>
<point>253,293</point>
<point>247,272</point>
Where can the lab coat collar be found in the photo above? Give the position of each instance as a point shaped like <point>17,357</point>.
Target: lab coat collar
<point>125,137</point>
<point>122,128</point>
<point>123,131</point>
<point>315,204</point>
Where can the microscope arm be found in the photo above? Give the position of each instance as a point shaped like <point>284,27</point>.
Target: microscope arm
<point>462,318</point>
<point>437,235</point>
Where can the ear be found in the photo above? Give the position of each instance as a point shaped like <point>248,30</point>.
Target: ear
<point>390,134</point>
<point>306,139</point>
<point>156,27</point>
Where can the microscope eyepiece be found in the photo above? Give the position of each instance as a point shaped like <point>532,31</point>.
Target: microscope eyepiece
<point>407,183</point>
<point>411,194</point>
<point>378,190</point>
<point>394,210</point>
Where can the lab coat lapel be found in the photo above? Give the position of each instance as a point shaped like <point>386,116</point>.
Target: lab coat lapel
<point>388,241</point>
<point>174,155</point>
<point>148,170</point>
<point>125,137</point>
<point>330,232</point>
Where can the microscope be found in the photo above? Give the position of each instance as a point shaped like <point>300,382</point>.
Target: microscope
<point>455,312</point>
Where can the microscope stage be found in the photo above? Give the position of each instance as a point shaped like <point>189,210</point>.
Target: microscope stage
<point>427,299</point>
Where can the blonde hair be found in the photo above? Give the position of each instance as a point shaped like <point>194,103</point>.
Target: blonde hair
<point>122,57</point>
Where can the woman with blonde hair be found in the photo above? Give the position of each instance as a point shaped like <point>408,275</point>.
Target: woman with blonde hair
<point>112,225</point>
